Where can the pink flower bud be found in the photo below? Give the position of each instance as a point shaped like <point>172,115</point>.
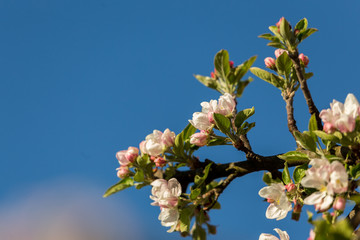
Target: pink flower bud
<point>269,200</point>
<point>199,139</point>
<point>123,171</point>
<point>279,22</point>
<point>212,74</point>
<point>339,204</point>
<point>329,127</point>
<point>296,32</point>
<point>231,63</point>
<point>168,138</point>
<point>160,162</point>
<point>304,59</point>
<point>210,116</point>
<point>278,52</point>
<point>270,63</point>
<point>290,187</point>
<point>132,154</point>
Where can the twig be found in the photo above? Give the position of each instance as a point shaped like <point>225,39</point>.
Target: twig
<point>289,99</point>
<point>294,56</point>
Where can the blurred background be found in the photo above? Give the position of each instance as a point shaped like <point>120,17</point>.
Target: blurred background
<point>81,80</point>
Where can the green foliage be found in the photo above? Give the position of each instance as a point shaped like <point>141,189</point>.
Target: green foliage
<point>293,155</point>
<point>222,123</point>
<point>198,181</point>
<point>284,64</point>
<point>325,230</point>
<point>306,141</point>
<point>121,185</point>
<point>271,78</point>
<point>286,175</point>
<point>243,115</point>
<point>299,172</point>
<point>268,178</point>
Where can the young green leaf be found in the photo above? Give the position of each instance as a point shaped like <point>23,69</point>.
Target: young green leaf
<point>312,123</point>
<point>268,77</point>
<point>286,175</point>
<point>221,63</point>
<point>241,70</point>
<point>299,172</point>
<point>243,115</point>
<point>326,136</point>
<point>241,86</point>
<point>285,32</point>
<point>223,123</point>
<point>293,155</point>
<point>284,64</point>
<point>121,185</point>
<point>208,82</point>
<point>301,25</point>
<point>306,141</point>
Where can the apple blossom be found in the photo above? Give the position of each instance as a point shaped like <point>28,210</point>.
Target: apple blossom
<point>201,121</point>
<point>132,153</point>
<point>159,162</point>
<point>279,204</point>
<point>278,52</point>
<point>270,62</point>
<point>328,179</point>
<point>156,142</point>
<point>165,195</point>
<point>304,59</point>
<point>226,104</point>
<point>168,138</point>
<point>123,171</point>
<point>339,204</point>
<point>341,116</point>
<point>199,139</point>
<point>282,234</point>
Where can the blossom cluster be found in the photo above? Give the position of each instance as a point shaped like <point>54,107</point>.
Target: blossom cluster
<point>328,178</point>
<point>165,194</point>
<point>154,145</point>
<point>271,62</point>
<point>341,116</point>
<point>204,120</point>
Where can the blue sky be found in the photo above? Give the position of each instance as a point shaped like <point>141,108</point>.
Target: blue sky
<point>81,80</point>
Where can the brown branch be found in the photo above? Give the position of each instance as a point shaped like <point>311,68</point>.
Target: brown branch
<point>294,56</point>
<point>354,217</point>
<point>289,99</point>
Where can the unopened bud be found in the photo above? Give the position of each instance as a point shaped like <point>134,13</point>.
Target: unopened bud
<point>231,63</point>
<point>213,74</point>
<point>279,22</point>
<point>339,204</point>
<point>290,187</point>
<point>123,171</point>
<point>199,139</point>
<point>132,154</point>
<point>278,52</point>
<point>160,162</point>
<point>270,63</point>
<point>296,32</point>
<point>304,59</point>
<point>329,127</point>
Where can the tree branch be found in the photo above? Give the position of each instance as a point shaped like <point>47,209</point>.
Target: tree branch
<point>289,99</point>
<point>294,56</point>
<point>354,217</point>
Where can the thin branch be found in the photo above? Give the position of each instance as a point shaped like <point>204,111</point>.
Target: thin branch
<point>354,217</point>
<point>294,56</point>
<point>289,99</point>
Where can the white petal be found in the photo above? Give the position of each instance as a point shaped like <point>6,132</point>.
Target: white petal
<point>315,198</point>
<point>169,216</point>
<point>266,236</point>
<point>175,187</point>
<point>283,234</point>
<point>351,105</point>
<point>272,212</point>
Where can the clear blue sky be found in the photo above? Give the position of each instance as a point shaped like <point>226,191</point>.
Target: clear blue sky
<point>81,80</point>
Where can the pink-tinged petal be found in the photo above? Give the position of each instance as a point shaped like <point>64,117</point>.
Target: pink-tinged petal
<point>314,198</point>
<point>312,181</point>
<point>169,216</point>
<point>282,234</point>
<point>351,105</point>
<point>266,236</point>
<point>121,157</point>
<point>269,192</point>
<point>175,187</point>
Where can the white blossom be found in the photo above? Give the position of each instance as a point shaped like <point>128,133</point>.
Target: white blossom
<point>279,204</point>
<point>328,179</point>
<point>341,116</point>
<point>166,195</point>
<point>226,104</point>
<point>201,121</point>
<point>282,234</point>
<point>156,142</point>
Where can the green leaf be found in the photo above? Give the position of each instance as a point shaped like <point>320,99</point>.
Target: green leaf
<point>286,175</point>
<point>267,178</point>
<point>286,33</point>
<point>306,33</point>
<point>302,24</point>
<point>241,70</point>
<point>208,82</point>
<point>221,63</point>
<point>223,123</point>
<point>299,172</point>
<point>355,171</point>
<point>195,193</point>
<point>178,147</point>
<point>275,31</point>
<point>308,75</point>
<point>121,185</point>
<point>326,136</point>
<point>139,176</point>
<point>312,123</point>
<point>199,233</point>
<point>217,142</point>
<point>284,64</point>
<point>269,36</point>
<point>268,77</point>
<point>293,155</point>
<point>306,141</point>
<point>185,218</point>
<point>241,86</point>
<point>188,131</point>
<point>245,128</point>
<point>243,115</point>
<point>200,180</point>
<point>276,45</point>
